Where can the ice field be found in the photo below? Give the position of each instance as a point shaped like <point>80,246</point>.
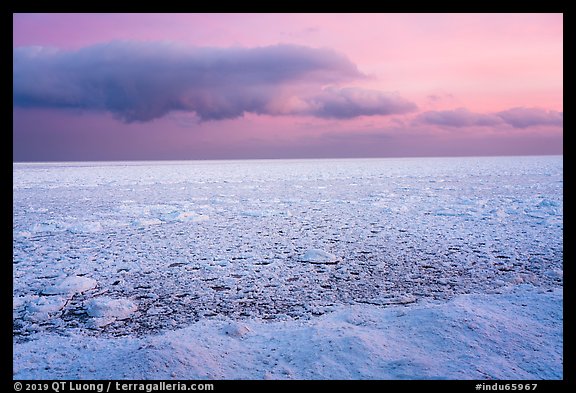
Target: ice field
<point>289,269</point>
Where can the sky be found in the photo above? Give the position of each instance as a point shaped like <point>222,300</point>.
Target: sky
<point>89,87</point>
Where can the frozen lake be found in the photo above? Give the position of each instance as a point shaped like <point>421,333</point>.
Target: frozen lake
<point>133,249</point>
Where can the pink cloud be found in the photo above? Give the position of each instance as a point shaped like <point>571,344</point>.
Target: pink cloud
<point>486,63</point>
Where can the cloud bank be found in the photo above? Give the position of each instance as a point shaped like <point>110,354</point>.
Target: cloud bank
<point>515,117</point>
<point>142,81</point>
<point>352,102</point>
<point>527,117</point>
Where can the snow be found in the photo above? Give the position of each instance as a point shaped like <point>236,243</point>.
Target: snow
<point>297,269</point>
<point>515,335</point>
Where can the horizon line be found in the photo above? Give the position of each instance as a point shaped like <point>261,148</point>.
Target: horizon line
<point>284,158</point>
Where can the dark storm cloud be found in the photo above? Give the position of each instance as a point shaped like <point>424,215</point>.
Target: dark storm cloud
<point>141,81</point>
<point>515,117</point>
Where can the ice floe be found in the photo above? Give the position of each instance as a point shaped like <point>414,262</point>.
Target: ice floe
<point>107,307</point>
<point>71,285</point>
<point>319,257</point>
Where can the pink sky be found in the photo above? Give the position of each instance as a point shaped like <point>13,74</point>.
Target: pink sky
<point>487,64</point>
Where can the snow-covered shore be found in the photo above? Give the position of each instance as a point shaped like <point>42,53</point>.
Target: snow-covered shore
<point>513,335</point>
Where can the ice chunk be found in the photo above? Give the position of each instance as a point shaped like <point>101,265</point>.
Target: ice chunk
<point>75,227</point>
<point>161,209</point>
<point>265,213</point>
<point>48,226</point>
<point>105,307</point>
<point>18,302</point>
<point>71,285</point>
<point>254,213</point>
<point>86,227</point>
<point>38,210</point>
<point>319,256</point>
<point>146,222</point>
<point>555,274</point>
<point>548,203</point>
<point>100,322</point>
<point>446,212</point>
<point>191,216</point>
<point>47,304</point>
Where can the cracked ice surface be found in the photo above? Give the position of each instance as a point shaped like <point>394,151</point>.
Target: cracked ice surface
<point>117,249</point>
